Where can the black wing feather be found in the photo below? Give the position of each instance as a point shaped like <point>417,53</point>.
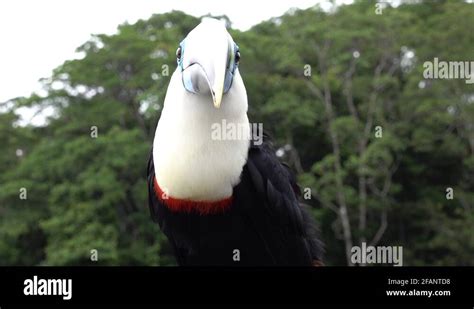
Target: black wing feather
<point>277,187</point>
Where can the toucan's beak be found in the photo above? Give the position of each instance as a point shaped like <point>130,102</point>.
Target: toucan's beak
<point>205,61</point>
<point>197,77</point>
<point>217,89</point>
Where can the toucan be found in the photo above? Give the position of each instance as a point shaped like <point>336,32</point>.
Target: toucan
<point>222,201</point>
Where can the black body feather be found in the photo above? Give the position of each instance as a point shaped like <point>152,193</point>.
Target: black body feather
<point>265,222</point>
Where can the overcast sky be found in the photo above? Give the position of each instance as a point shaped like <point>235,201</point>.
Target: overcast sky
<point>37,36</point>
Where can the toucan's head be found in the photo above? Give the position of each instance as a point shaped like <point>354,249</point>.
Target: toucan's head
<point>208,60</point>
<point>195,159</point>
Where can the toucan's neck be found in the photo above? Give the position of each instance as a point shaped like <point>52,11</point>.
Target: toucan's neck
<point>190,162</point>
<point>191,206</point>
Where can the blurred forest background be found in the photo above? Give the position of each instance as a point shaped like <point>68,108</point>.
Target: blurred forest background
<point>325,84</point>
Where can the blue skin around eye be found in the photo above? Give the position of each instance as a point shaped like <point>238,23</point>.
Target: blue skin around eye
<point>187,82</point>
<point>180,61</point>
<point>229,75</point>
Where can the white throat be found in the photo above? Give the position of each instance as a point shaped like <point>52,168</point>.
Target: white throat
<point>189,163</point>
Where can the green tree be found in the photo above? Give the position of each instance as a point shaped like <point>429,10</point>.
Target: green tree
<point>341,92</point>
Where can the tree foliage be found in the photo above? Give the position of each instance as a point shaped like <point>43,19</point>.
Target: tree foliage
<point>342,93</point>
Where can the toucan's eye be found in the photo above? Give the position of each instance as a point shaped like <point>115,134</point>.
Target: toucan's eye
<point>178,54</point>
<point>237,57</point>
